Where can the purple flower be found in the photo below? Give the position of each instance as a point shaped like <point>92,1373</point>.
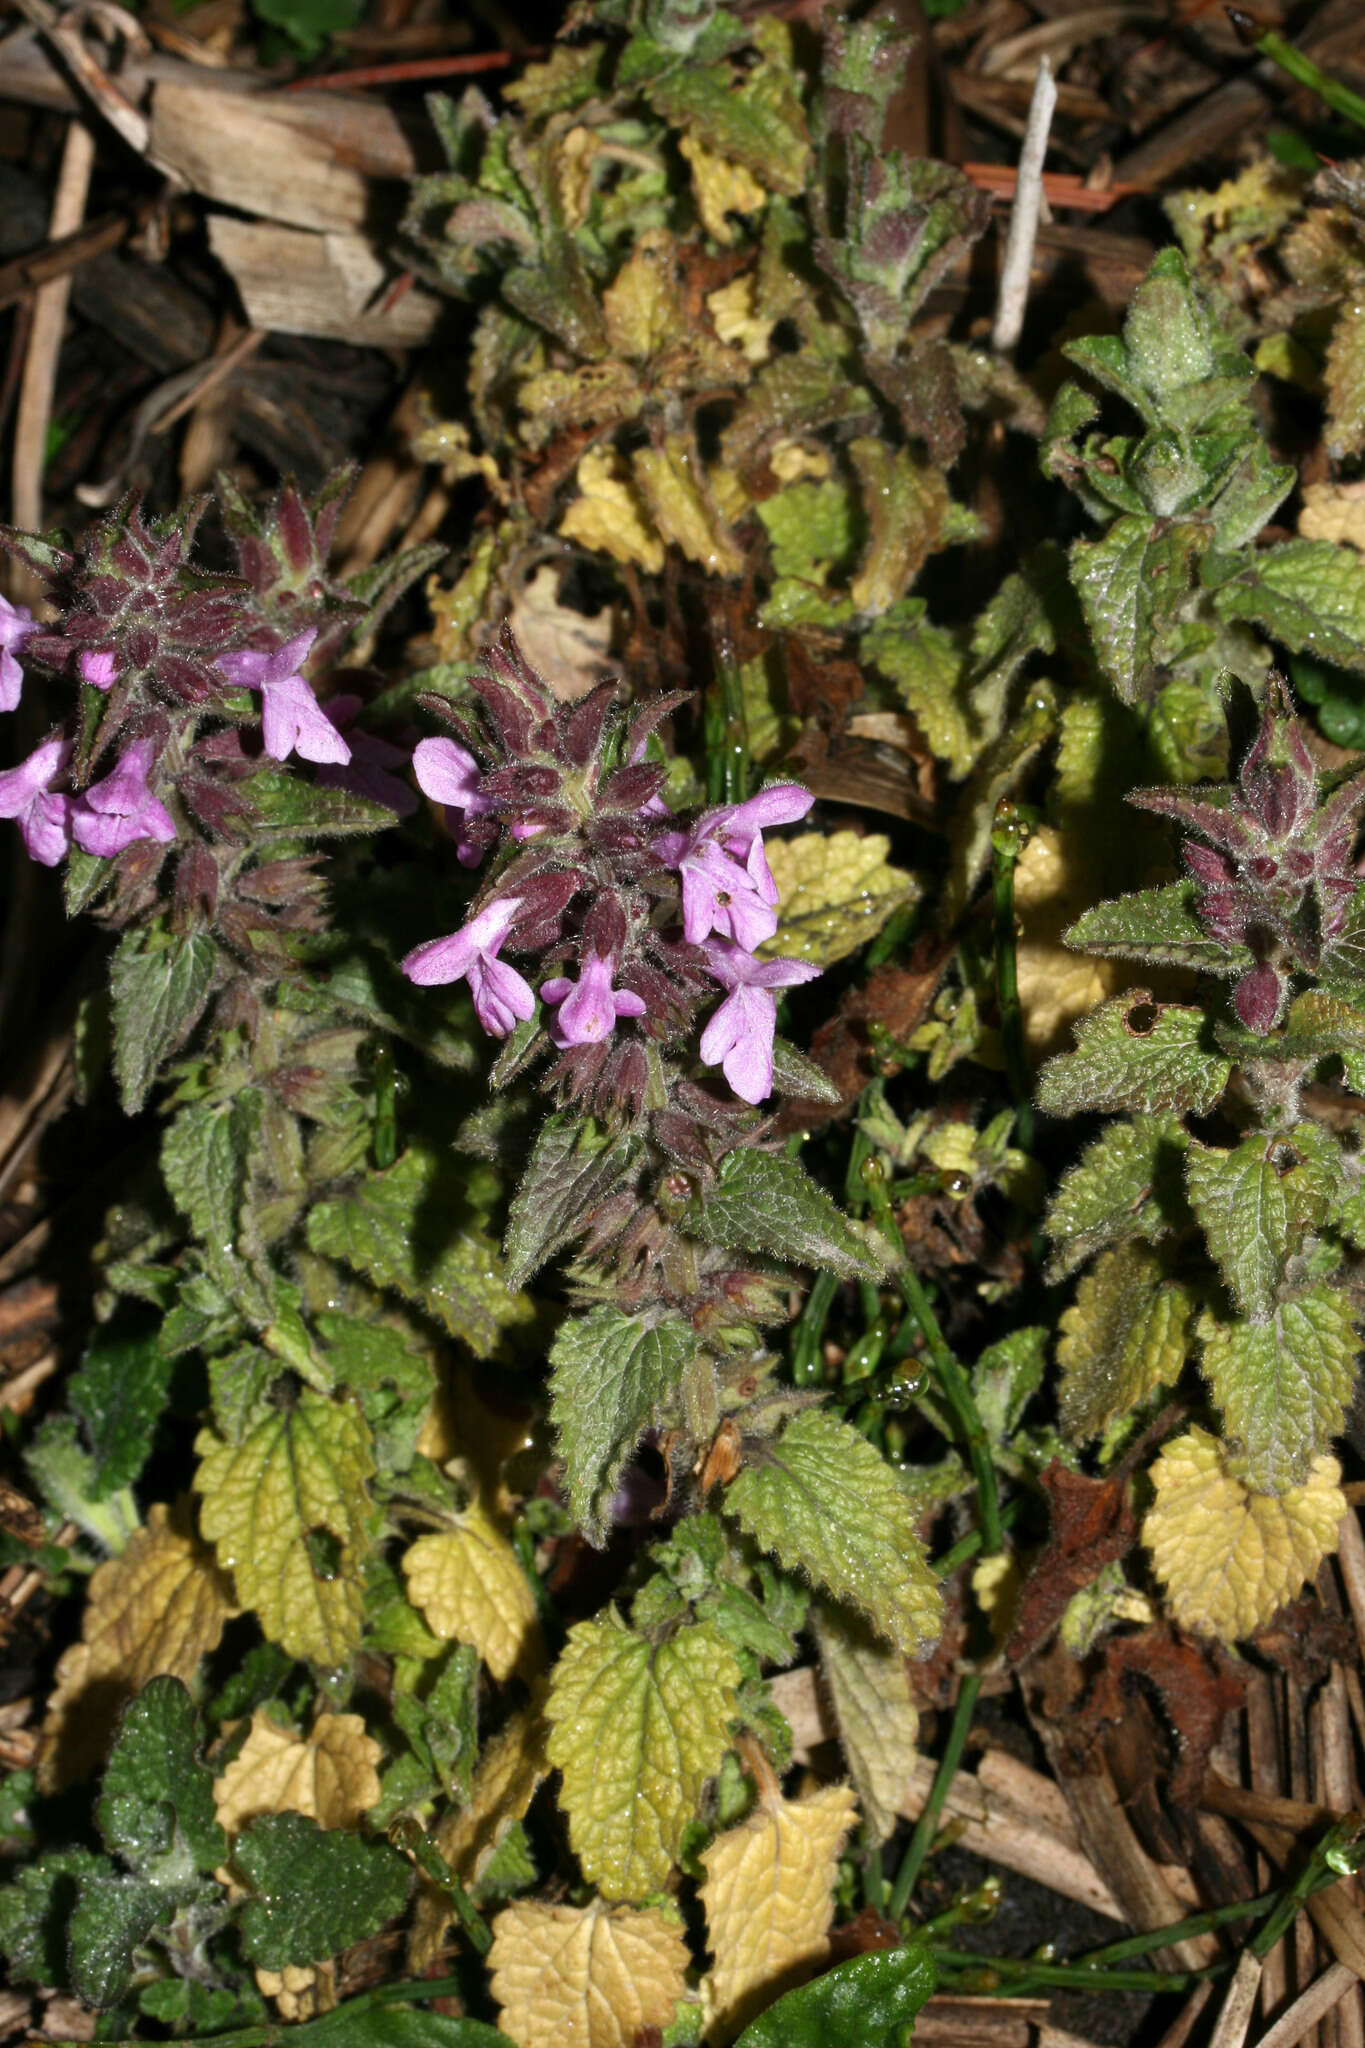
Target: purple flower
<point>16,623</point>
<point>43,814</point>
<point>501,997</point>
<point>96,665</point>
<point>449,775</point>
<point>372,760</point>
<point>590,1006</point>
<point>292,720</point>
<point>113,813</point>
<point>739,1038</point>
<point>727,885</point>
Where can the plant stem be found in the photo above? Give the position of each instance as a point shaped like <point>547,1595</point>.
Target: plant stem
<point>1301,69</point>
<point>968,1545</point>
<point>1009,837</point>
<point>951,1378</point>
<point>810,1325</point>
<point>409,1835</point>
<point>1019,1974</point>
<point>927,1824</point>
<point>726,729</point>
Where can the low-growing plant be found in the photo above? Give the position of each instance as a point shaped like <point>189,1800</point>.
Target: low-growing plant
<point>545,1402</point>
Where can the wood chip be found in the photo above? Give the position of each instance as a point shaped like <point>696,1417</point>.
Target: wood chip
<point>328,286</point>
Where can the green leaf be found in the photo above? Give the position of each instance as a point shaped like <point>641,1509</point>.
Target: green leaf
<point>1131,583</point>
<point>573,1165</point>
<point>1321,1024</point>
<point>927,666</point>
<point>1159,925</point>
<point>763,1203</point>
<point>1126,1333</point>
<point>65,1472</point>
<point>870,2002</point>
<point>609,1372</point>
<point>394,1384</point>
<point>1257,1202</point>
<point>315,1890</point>
<point>120,1393</point>
<point>204,1157</point>
<point>156,1805</point>
<point>286,806</point>
<point>1133,1053</point>
<point>1125,1185</point>
<point>810,529</point>
<point>289,1512</point>
<point>1307,594</point>
<point>1006,1377</point>
<point>411,1228</point>
<point>825,1502</point>
<point>798,1077</point>
<point>1284,1384</point>
<point>36,1902</point>
<point>368,2023</point>
<point>637,1728</point>
<point>159,983</point>
<point>113,1917</point>
<point>753,118</point>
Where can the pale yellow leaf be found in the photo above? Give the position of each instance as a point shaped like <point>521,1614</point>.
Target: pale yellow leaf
<point>643,308</point>
<point>566,647</point>
<point>769,1899</point>
<point>737,321</point>
<point>1051,889</point>
<point>511,1771</point>
<point>573,162</point>
<point>468,1583</point>
<point>789,461</point>
<point>608,513</point>
<point>300,1991</point>
<point>869,1689</point>
<point>673,483</point>
<point>153,1611</point>
<point>331,1774</point>
<point>720,188</point>
<point>835,890</point>
<point>1334,512</point>
<point>1230,1558</point>
<point>592,1976</point>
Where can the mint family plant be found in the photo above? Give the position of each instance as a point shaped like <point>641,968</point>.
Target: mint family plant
<point>445,1539</point>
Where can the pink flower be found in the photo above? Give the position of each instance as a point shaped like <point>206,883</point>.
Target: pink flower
<point>739,1037</point>
<point>113,813</point>
<point>501,997</point>
<point>96,665</point>
<point>727,885</point>
<point>590,1006</point>
<point>16,623</point>
<point>450,776</point>
<point>42,813</point>
<point>292,720</point>
<point>372,760</point>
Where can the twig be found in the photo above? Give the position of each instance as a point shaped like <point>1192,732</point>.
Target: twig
<point>1297,66</point>
<point>13,1390</point>
<point>1309,2007</point>
<point>412,68</point>
<point>1235,2016</point>
<point>1028,202</point>
<point>45,337</point>
<point>162,407</point>
<point>23,274</point>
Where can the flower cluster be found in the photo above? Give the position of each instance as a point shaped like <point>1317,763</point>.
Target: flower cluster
<point>1274,872</point>
<point>646,918</point>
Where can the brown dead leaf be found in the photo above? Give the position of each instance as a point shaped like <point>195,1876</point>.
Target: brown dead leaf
<point>1092,1524</point>
<point>1198,1688</point>
<point>898,999</point>
<point>568,648</point>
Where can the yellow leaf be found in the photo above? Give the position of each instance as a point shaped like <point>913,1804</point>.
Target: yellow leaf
<point>737,321</point>
<point>636,1729</point>
<point>511,1771</point>
<point>468,1583</point>
<point>289,1512</point>
<point>836,891</point>
<point>331,1774</point>
<point>1051,889</point>
<point>461,1425</point>
<point>568,648</point>
<point>674,486</point>
<point>907,504</point>
<point>590,1976</point>
<point>607,513</point>
<point>1230,1558</point>
<point>878,1722</point>
<point>791,460</point>
<point>721,187</point>
<point>1334,512</point>
<point>769,1899</point>
<point>643,308</point>
<point>573,163</point>
<point>300,1991</point>
<point>153,1611</point>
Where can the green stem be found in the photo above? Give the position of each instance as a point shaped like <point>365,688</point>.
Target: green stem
<point>810,1327</point>
<point>1009,837</point>
<point>726,729</point>
<point>271,2033</point>
<point>385,1108</point>
<point>1295,65</point>
<point>968,1545</point>
<point>951,1378</point>
<point>1016,1976</point>
<point>409,1835</point>
<point>927,1825</point>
